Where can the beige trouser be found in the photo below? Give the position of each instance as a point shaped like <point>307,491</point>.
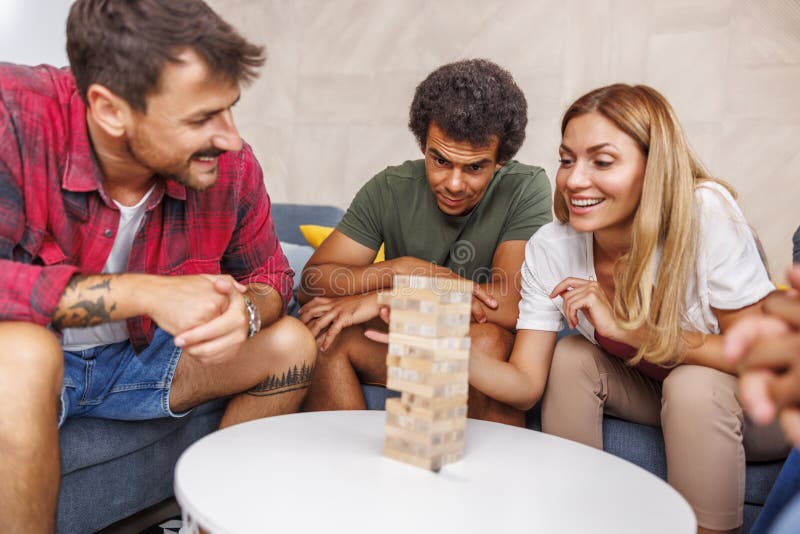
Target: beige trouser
<point>705,432</point>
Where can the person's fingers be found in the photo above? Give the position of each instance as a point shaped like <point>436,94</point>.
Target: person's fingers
<point>385,314</point>
<point>333,331</point>
<point>777,352</point>
<point>241,288</point>
<point>569,314</point>
<point>316,301</point>
<point>308,313</point>
<point>790,423</point>
<point>224,285</point>
<point>478,312</point>
<point>745,332</point>
<point>784,389</point>
<point>481,294</point>
<point>785,306</point>
<point>568,284</point>
<point>322,323</point>
<point>216,350</point>
<point>574,300</point>
<point>754,395</point>
<point>377,335</point>
<point>228,322</point>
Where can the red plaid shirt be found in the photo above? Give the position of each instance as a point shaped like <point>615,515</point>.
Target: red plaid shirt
<point>56,219</point>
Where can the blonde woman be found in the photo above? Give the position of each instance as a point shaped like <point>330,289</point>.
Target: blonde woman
<point>651,260</point>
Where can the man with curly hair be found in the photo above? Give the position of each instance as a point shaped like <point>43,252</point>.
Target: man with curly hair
<point>466,209</point>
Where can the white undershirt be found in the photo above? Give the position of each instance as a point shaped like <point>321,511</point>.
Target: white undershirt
<point>130,219</point>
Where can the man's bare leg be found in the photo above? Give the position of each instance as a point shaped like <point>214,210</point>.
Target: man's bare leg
<point>273,369</point>
<point>31,370</point>
<point>350,360</point>
<point>496,342</point>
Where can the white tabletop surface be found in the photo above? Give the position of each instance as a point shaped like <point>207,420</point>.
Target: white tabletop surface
<point>323,472</point>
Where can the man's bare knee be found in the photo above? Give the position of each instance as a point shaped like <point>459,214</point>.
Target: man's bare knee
<point>491,340</point>
<point>342,346</point>
<point>32,355</point>
<point>290,341</point>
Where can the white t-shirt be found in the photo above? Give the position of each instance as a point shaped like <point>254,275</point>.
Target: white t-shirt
<point>729,273</point>
<point>130,219</point>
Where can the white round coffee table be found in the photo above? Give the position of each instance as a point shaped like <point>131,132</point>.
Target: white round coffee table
<point>323,472</point>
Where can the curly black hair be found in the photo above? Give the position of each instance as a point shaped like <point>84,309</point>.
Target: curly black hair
<point>471,100</point>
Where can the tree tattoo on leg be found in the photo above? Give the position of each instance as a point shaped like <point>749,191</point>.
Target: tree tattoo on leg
<point>294,378</point>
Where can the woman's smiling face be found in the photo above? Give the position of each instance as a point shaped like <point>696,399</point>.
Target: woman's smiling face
<point>601,174</point>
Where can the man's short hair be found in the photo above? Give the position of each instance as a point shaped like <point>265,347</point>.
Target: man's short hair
<point>471,100</point>
<point>124,44</point>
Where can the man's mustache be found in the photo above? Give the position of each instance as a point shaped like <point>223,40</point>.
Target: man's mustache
<point>209,153</point>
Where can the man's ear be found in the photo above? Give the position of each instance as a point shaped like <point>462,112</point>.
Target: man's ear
<point>110,112</point>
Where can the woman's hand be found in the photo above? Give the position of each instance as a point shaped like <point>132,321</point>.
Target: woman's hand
<point>587,296</point>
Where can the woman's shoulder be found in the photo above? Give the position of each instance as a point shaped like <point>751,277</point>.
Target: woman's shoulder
<point>556,232</point>
<point>718,211</point>
<point>712,196</point>
<point>558,246</point>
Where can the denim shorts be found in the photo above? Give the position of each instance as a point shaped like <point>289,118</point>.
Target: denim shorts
<point>113,382</point>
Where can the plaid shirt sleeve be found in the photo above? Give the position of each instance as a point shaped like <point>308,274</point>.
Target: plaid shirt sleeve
<point>27,292</point>
<point>254,255</point>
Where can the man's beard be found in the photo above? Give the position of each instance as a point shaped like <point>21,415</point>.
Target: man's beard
<point>183,178</point>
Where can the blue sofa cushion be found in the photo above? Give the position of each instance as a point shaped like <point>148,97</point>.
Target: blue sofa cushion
<point>297,255</point>
<point>288,218</point>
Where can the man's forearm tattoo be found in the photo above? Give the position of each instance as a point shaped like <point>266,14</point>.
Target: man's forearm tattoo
<point>85,304</point>
<point>291,380</point>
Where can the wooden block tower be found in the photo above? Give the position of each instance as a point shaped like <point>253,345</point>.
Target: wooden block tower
<point>427,363</point>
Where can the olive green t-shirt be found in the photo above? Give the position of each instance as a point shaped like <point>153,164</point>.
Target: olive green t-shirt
<point>398,208</point>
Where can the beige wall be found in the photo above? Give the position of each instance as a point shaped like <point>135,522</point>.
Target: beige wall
<point>331,106</point>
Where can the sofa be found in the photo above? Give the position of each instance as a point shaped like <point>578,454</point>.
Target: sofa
<point>113,469</point>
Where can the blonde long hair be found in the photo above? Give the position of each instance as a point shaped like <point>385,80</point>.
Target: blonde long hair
<point>665,218</point>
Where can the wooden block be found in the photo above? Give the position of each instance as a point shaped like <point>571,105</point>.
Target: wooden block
<point>401,350</point>
<point>422,289</point>
<point>438,283</point>
<point>426,439</point>
<point>457,389</point>
<point>430,416</point>
<point>415,323</point>
<point>399,443</point>
<point>427,308</point>
<point>428,366</point>
<point>420,420</point>
<point>428,330</point>
<point>439,428</point>
<point>450,317</point>
<point>425,379</point>
<point>441,343</point>
<point>432,464</point>
<point>432,404</point>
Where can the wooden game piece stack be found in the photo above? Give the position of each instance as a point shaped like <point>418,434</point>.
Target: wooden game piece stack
<point>427,363</point>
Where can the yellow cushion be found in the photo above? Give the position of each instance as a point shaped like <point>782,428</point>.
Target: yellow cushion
<point>315,235</point>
